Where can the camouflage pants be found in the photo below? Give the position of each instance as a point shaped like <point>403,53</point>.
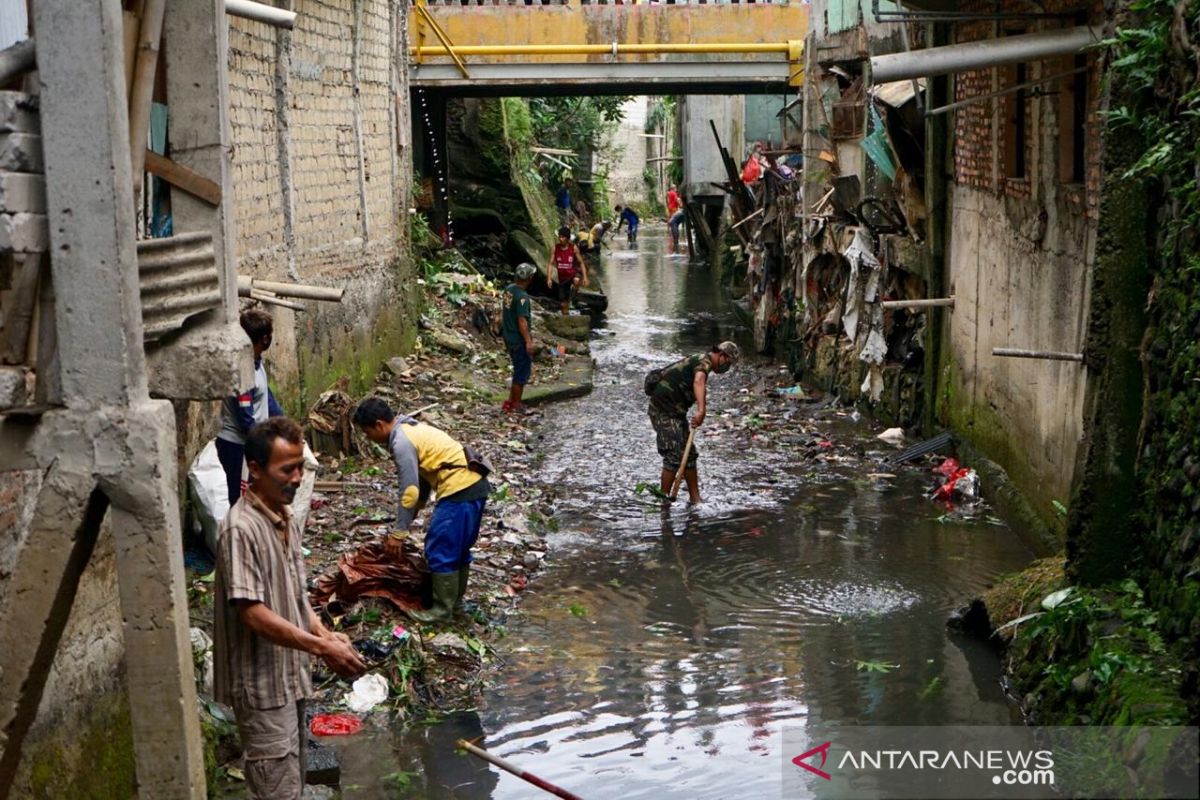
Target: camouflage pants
<point>671,431</point>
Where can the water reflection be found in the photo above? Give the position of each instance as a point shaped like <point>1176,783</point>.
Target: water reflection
<point>791,596</point>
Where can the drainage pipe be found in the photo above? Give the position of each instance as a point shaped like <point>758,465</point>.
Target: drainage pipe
<point>261,12</point>
<point>981,54</point>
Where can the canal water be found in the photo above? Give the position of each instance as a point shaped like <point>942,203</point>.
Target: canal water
<point>663,656</point>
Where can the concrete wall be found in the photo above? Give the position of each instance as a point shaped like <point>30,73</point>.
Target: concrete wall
<point>702,162</point>
<point>322,182</point>
<point>626,181</point>
<point>1019,264</point>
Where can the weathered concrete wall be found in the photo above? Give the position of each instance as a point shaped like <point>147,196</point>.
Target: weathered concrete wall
<point>322,182</point>
<point>1013,292</point>
<point>702,163</point>
<point>626,182</point>
<point>62,757</point>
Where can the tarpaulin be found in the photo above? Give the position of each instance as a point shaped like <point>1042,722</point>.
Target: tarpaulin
<point>878,147</point>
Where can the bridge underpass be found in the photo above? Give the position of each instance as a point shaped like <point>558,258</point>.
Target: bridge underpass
<point>459,49</point>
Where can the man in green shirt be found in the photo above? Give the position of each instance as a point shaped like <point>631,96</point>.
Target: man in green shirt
<point>678,386</point>
<point>515,325</point>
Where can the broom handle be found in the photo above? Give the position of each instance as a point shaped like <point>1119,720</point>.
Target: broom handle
<point>687,451</point>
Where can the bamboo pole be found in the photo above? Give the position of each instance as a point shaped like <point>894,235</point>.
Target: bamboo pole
<point>687,451</point>
<point>247,284</point>
<point>1049,355</point>
<point>747,218</point>
<point>271,299</point>
<point>932,302</point>
<point>528,777</point>
<point>141,91</point>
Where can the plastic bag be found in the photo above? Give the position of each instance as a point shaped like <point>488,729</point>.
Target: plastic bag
<point>210,494</point>
<point>335,725</point>
<point>366,693</point>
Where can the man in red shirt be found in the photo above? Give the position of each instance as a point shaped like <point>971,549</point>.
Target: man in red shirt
<point>566,270</point>
<point>674,215</point>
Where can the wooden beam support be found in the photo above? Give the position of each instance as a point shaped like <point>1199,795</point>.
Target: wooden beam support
<point>183,178</point>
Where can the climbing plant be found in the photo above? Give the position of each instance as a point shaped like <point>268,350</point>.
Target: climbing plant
<point>1156,74</point>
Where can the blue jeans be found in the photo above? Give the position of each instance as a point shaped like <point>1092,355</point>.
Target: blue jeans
<point>453,530</point>
<point>522,364</point>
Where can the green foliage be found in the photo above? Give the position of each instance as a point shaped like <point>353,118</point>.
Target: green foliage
<point>1156,88</point>
<point>874,666</point>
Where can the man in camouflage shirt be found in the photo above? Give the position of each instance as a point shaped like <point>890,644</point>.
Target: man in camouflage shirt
<point>680,385</point>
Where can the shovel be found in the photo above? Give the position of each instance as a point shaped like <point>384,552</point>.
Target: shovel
<point>687,451</point>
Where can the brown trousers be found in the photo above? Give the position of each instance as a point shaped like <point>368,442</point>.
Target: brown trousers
<point>274,741</point>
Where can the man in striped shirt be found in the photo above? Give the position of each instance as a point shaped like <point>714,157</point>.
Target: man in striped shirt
<point>265,629</point>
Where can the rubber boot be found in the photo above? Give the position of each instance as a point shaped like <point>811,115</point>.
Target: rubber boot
<point>445,591</point>
<point>463,575</point>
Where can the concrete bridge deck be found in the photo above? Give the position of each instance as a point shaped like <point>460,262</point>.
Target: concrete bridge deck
<point>597,48</point>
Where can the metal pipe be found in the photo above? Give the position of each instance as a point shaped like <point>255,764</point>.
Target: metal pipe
<point>932,302</point>
<point>894,17</point>
<point>1050,355</point>
<point>613,48</point>
<point>978,55</point>
<point>1001,92</point>
<point>261,12</point>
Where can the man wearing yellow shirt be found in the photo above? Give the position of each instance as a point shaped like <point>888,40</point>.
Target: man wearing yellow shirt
<point>428,459</point>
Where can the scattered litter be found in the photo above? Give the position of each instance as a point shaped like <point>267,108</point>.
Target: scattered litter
<point>401,633</point>
<point>962,484</point>
<point>335,725</point>
<point>894,436</point>
<point>366,693</point>
<point>927,446</point>
<point>450,641</point>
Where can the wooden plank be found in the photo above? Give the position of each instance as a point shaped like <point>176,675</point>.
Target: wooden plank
<point>183,178</point>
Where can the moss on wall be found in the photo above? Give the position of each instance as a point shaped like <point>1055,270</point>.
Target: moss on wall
<point>91,759</point>
<point>354,353</point>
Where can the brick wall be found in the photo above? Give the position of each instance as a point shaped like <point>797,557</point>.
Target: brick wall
<point>321,173</point>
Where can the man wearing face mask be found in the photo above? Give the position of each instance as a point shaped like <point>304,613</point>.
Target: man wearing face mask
<point>265,630</point>
<point>672,392</point>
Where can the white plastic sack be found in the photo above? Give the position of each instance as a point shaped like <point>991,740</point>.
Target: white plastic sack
<point>366,693</point>
<point>210,493</point>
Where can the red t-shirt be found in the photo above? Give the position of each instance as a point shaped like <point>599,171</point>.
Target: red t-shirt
<point>564,261</point>
<point>672,202</point>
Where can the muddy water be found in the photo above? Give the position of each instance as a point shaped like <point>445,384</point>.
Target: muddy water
<point>662,656</point>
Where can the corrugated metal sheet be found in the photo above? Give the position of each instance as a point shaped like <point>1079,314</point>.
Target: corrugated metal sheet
<point>178,280</point>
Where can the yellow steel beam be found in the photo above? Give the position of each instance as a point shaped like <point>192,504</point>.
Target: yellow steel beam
<point>613,48</point>
<point>447,47</point>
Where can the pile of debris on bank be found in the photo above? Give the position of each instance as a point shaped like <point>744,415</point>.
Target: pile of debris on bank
<point>832,289</point>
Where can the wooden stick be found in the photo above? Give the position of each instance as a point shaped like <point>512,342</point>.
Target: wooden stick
<point>932,302</point>
<point>528,777</point>
<point>142,89</point>
<point>183,177</point>
<point>1049,355</point>
<point>687,451</point>
<point>746,219</point>
<point>20,316</point>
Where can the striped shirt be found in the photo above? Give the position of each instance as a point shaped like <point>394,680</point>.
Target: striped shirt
<point>259,559</point>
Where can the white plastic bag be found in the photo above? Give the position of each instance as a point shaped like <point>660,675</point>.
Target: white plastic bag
<point>366,693</point>
<point>210,492</point>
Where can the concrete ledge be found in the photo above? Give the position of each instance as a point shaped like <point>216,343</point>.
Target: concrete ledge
<point>207,362</point>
